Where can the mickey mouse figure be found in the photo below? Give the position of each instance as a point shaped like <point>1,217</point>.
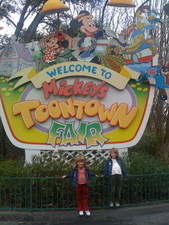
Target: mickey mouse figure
<point>85,23</point>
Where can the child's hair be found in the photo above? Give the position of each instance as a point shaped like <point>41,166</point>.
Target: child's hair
<point>114,150</point>
<point>80,158</point>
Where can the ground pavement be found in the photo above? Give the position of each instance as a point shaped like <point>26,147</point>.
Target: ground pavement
<point>156,214</point>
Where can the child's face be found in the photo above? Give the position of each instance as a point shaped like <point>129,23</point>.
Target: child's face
<point>113,155</point>
<point>80,164</point>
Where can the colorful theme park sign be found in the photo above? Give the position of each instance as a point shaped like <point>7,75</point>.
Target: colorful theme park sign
<point>75,104</point>
<point>87,95</point>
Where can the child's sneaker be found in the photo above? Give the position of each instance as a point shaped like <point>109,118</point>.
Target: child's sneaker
<point>111,204</point>
<point>81,213</point>
<point>117,204</point>
<point>88,213</point>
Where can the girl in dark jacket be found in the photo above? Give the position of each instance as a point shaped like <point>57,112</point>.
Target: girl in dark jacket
<point>115,170</point>
<point>80,175</point>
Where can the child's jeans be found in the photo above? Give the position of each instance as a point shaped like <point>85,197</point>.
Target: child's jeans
<point>115,187</point>
<point>82,197</point>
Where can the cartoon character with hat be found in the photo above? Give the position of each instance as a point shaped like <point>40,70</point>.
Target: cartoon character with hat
<point>85,23</point>
<point>54,45</point>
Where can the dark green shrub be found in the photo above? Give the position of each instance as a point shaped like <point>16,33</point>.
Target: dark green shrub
<point>47,166</point>
<point>11,168</point>
<point>147,144</point>
<point>144,163</point>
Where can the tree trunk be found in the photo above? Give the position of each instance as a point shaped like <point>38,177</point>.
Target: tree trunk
<point>32,28</point>
<point>21,19</point>
<point>166,139</point>
<point>159,123</point>
<point>2,140</point>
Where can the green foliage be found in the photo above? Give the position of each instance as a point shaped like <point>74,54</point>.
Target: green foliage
<point>144,163</point>
<point>11,168</point>
<point>142,158</point>
<point>147,144</point>
<point>48,165</point>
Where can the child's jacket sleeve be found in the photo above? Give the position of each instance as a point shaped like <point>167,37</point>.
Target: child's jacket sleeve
<point>107,168</point>
<point>124,173</point>
<point>90,174</point>
<point>70,175</point>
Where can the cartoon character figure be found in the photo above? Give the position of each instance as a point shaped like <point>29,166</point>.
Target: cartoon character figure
<point>160,79</point>
<point>85,23</point>
<point>86,45</point>
<point>143,43</point>
<point>152,16</point>
<point>54,45</point>
<point>116,45</point>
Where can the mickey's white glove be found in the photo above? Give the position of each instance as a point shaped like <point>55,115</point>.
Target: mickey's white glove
<point>109,32</point>
<point>87,42</point>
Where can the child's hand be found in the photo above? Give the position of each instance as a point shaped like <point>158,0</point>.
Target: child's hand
<point>99,176</point>
<point>63,176</point>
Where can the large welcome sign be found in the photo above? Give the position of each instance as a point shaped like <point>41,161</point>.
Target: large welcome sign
<point>78,105</point>
<point>89,93</point>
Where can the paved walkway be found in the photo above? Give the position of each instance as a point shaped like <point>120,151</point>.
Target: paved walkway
<point>157,214</point>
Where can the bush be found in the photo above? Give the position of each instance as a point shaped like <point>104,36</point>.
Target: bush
<point>147,144</point>
<point>11,168</point>
<point>47,166</point>
<point>144,163</point>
